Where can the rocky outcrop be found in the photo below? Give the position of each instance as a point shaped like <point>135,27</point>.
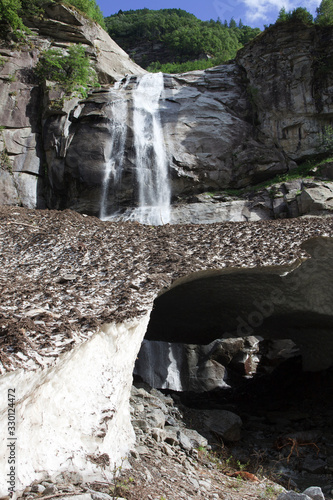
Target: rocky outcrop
<point>205,118</point>
<point>62,25</point>
<point>289,74</point>
<point>295,198</point>
<point>197,368</point>
<point>226,127</point>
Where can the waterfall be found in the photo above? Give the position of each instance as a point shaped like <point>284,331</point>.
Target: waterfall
<point>151,168</point>
<point>151,163</point>
<point>115,155</point>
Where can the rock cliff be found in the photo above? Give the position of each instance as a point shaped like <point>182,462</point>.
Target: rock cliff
<point>289,72</point>
<point>227,127</point>
<point>24,105</point>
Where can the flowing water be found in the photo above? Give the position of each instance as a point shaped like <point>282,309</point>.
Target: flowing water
<point>151,168</point>
<point>151,164</point>
<point>115,155</point>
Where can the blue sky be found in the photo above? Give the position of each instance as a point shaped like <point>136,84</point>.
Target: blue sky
<point>255,13</point>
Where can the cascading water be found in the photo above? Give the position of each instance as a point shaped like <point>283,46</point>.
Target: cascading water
<point>151,166</point>
<point>151,163</point>
<point>115,155</point>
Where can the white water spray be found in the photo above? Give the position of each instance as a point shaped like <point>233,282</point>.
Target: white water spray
<point>151,168</point>
<point>115,155</point>
<point>151,163</point>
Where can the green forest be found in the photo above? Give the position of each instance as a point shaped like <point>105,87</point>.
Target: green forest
<point>183,35</point>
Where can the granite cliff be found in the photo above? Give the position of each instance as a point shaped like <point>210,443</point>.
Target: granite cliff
<point>231,126</point>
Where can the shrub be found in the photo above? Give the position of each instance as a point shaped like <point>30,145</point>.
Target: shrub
<point>90,8</point>
<point>71,71</point>
<point>9,15</point>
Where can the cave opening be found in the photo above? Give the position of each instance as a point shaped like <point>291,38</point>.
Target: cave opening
<point>244,341</point>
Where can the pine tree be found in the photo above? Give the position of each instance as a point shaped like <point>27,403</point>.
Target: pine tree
<point>325,13</point>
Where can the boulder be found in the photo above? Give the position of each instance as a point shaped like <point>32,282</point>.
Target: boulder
<point>292,495</point>
<point>224,423</point>
<point>314,492</point>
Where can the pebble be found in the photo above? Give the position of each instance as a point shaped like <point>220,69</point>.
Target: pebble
<point>37,488</point>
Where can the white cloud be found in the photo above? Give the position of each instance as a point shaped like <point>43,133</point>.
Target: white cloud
<point>263,10</point>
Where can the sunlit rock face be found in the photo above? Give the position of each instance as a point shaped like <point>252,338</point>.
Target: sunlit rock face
<point>290,82</point>
<point>226,127</point>
<point>279,303</point>
<point>25,107</point>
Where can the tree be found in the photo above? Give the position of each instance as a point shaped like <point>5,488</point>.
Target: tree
<point>232,23</point>
<point>325,13</point>
<point>303,15</point>
<point>300,14</point>
<point>283,16</point>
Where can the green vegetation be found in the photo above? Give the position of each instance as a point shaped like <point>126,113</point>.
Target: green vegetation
<point>185,66</point>
<point>90,8</point>
<point>71,71</point>
<point>10,15</point>
<point>328,139</point>
<point>297,15</point>
<point>305,170</point>
<point>13,12</point>
<point>184,37</point>
<point>324,15</point>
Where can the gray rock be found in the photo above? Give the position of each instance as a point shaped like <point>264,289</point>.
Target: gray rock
<point>141,424</point>
<point>292,495</point>
<point>97,495</point>
<point>38,488</point>
<point>142,450</point>
<point>49,489</point>
<point>225,423</point>
<point>158,434</point>
<point>314,492</point>
<point>83,496</point>
<point>171,435</point>
<point>195,438</point>
<point>314,465</point>
<point>69,478</point>
<point>156,418</point>
<point>184,441</point>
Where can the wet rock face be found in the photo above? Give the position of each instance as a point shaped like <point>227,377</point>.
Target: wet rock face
<point>207,119</point>
<point>226,127</point>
